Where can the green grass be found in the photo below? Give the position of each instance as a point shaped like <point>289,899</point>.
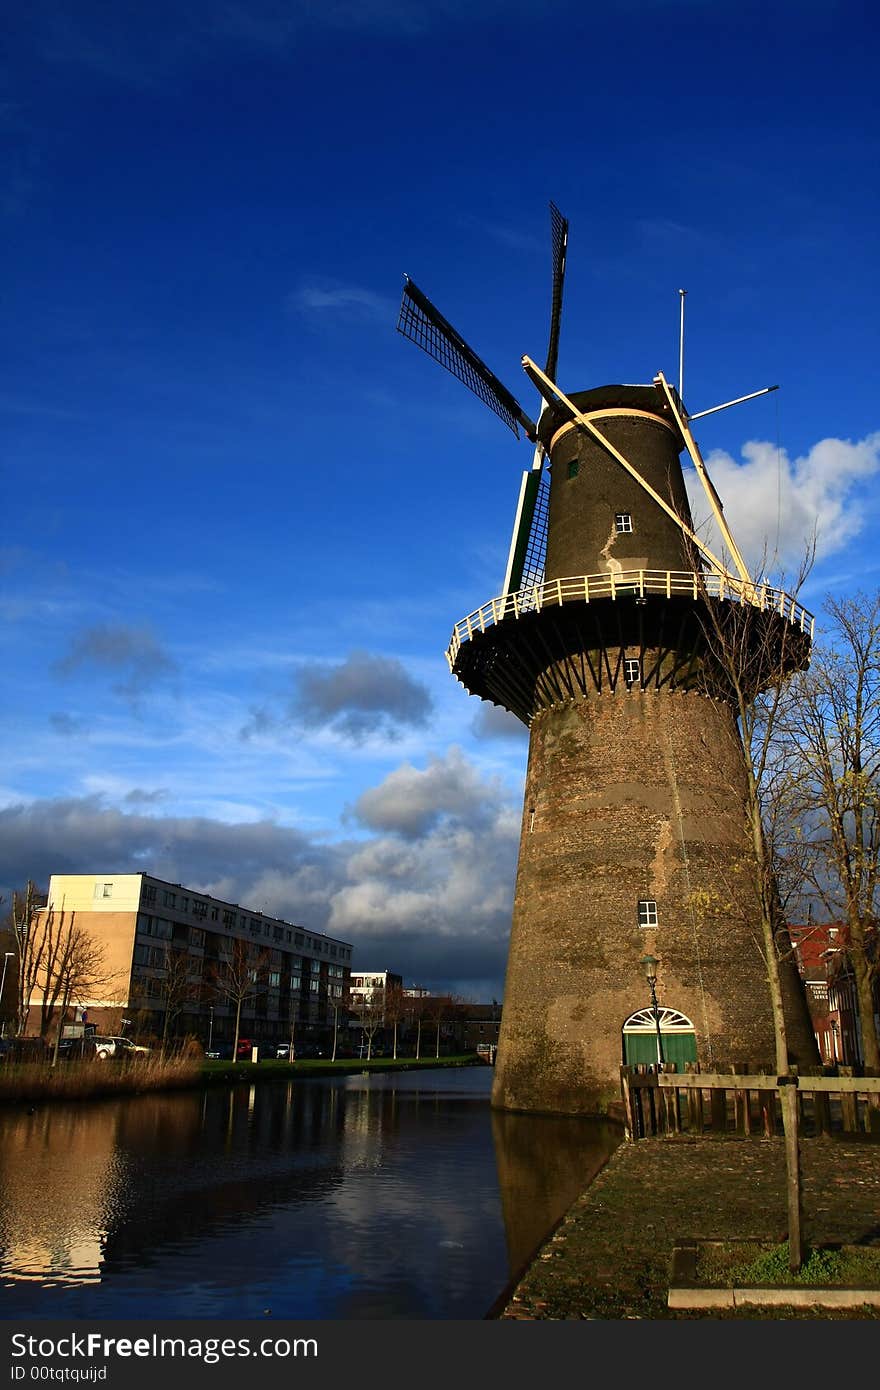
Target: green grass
<point>322,1066</point>
<point>747,1264</point>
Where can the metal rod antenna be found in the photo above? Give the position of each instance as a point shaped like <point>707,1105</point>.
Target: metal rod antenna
<point>739,400</point>
<point>681,295</point>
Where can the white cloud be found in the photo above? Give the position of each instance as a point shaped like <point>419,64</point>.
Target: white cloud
<point>429,895</point>
<point>773,503</point>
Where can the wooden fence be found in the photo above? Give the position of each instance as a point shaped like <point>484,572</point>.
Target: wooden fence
<point>745,1100</point>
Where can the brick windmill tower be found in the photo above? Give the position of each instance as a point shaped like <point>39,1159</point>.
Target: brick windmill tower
<point>635,854</point>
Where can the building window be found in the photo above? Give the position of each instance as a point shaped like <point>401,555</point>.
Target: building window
<point>169,899</point>
<point>200,909</point>
<point>275,978</point>
<point>196,936</point>
<point>623,522</point>
<point>103,890</point>
<point>229,919</point>
<point>289,936</point>
<point>299,940</point>
<point>149,894</point>
<point>184,904</point>
<point>647,912</point>
<point>213,914</point>
<point>531,819</point>
<point>632,670</point>
<point>573,467</point>
<point>313,986</point>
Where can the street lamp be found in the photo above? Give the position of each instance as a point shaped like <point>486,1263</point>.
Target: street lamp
<point>650,964</point>
<point>7,956</point>
<point>210,1025</point>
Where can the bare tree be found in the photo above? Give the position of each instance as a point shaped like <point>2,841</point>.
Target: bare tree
<point>178,987</point>
<point>80,970</point>
<point>833,717</point>
<point>29,931</point>
<point>753,640</point>
<point>239,977</point>
<point>436,1009</point>
<point>58,960</point>
<point>414,1013</point>
<point>369,1010</point>
<point>394,1011</point>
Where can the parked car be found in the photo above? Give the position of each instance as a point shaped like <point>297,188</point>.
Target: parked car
<point>76,1049</point>
<point>114,1047</point>
<point>282,1051</point>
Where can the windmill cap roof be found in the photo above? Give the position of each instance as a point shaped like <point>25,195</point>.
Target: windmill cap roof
<point>645,398</point>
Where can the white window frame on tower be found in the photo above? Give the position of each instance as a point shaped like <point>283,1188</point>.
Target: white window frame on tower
<point>623,523</point>
<point>632,670</point>
<point>647,910</point>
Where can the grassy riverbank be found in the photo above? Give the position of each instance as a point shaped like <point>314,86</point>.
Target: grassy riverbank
<point>27,1082</point>
<point>272,1070</point>
<point>24,1083</point>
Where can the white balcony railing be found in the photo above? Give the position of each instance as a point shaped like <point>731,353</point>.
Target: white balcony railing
<point>585,588</point>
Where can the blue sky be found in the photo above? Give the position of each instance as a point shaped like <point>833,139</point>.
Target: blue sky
<point>243,514</point>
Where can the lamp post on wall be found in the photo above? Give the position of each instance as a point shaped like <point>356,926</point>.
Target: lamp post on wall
<point>650,963</point>
<point>7,956</point>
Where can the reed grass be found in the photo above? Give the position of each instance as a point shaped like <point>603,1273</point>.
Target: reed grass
<point>22,1082</point>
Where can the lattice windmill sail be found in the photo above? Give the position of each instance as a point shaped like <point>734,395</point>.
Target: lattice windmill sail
<point>634,833</point>
<point>424,325</point>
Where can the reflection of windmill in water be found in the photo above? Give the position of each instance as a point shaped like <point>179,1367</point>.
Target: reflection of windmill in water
<point>634,836</point>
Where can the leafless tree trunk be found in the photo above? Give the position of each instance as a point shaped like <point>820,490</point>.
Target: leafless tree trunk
<point>239,977</point>
<point>751,652</point>
<point>178,989</point>
<point>833,716</point>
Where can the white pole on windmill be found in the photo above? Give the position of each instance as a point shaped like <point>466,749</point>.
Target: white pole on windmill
<point>681,295</point>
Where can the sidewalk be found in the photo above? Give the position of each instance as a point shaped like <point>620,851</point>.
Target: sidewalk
<point>610,1257</point>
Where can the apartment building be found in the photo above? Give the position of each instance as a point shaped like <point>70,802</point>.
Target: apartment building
<point>150,929</point>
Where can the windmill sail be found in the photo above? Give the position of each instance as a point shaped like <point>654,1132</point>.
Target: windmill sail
<point>425,326</point>
<point>559,240</point>
<point>525,562</point>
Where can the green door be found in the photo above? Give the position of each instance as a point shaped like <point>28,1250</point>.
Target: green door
<point>677,1037</point>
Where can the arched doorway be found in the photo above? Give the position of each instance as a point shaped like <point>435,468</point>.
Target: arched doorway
<point>677,1037</point>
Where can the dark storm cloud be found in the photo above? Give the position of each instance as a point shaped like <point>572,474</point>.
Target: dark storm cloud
<point>134,653</point>
<point>363,695</point>
<point>411,801</point>
<point>432,904</point>
<point>491,721</point>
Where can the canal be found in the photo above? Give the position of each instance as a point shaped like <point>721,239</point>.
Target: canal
<point>396,1195</point>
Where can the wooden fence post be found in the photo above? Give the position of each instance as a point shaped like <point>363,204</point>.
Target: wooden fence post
<point>718,1110</point>
<point>790,1118</point>
<point>821,1104</point>
<point>872,1106</point>
<point>767,1103</point>
<point>694,1102</point>
<point>629,1118</point>
<point>742,1120</point>
<point>848,1105</point>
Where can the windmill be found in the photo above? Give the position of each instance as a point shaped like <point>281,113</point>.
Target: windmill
<point>633,828</point>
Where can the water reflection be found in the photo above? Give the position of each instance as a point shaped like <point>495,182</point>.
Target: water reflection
<point>544,1163</point>
<point>358,1197</point>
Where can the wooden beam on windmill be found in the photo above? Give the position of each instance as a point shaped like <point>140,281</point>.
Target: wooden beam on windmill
<point>554,396</point>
